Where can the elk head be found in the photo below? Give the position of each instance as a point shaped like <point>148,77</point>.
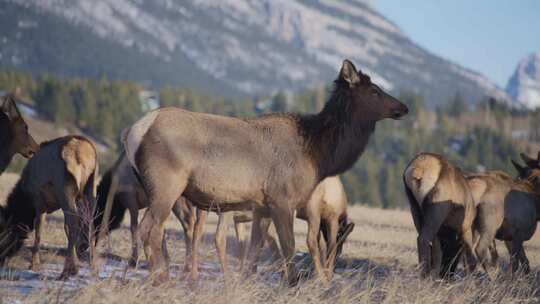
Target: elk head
<point>531,162</point>
<point>529,172</point>
<point>15,130</point>
<point>345,228</point>
<point>368,101</point>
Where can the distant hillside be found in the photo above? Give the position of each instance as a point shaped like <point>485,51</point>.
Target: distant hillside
<point>231,48</point>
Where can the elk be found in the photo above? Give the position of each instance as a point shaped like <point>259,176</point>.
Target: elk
<point>14,136</point>
<point>439,197</point>
<point>61,175</point>
<point>272,162</point>
<point>506,209</point>
<point>326,214</point>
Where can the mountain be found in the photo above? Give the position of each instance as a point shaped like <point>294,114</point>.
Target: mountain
<point>524,85</point>
<point>231,48</point>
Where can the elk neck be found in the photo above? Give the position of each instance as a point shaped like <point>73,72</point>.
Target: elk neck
<point>5,142</point>
<point>19,209</point>
<point>332,138</point>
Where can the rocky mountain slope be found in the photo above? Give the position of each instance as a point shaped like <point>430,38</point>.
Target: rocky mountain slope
<point>228,47</point>
<point>524,85</point>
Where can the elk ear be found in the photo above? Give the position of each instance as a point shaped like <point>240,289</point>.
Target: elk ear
<point>528,160</point>
<point>348,73</point>
<point>520,169</point>
<point>9,108</point>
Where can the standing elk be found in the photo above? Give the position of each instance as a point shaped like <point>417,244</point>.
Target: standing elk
<point>272,162</point>
<point>14,136</point>
<point>439,197</point>
<point>61,175</point>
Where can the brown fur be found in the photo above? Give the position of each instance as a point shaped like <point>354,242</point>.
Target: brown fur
<point>446,202</point>
<point>61,175</point>
<point>14,136</point>
<point>272,163</point>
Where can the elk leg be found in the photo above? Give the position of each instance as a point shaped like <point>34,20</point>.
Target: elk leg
<point>314,223</point>
<point>283,219</point>
<point>468,242</point>
<point>187,218</point>
<point>259,230</point>
<point>323,249</point>
<point>436,255</point>
<point>522,257</point>
<point>72,229</point>
<point>240,229</point>
<point>221,240</point>
<point>134,229</point>
<point>435,214</point>
<point>38,224</point>
<point>161,200</point>
<point>494,254</point>
<point>145,245</point>
<point>197,234</point>
<point>514,264</point>
<point>332,247</point>
<point>164,249</point>
<point>483,248</point>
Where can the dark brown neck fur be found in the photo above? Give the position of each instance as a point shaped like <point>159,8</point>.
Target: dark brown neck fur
<point>5,142</point>
<point>333,139</point>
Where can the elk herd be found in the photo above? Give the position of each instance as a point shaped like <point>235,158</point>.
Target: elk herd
<point>264,170</point>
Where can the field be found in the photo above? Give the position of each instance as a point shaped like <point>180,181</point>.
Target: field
<point>378,266</point>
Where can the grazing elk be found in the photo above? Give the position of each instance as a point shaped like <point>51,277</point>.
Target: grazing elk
<point>61,175</point>
<point>272,162</point>
<point>326,214</point>
<point>439,196</point>
<point>14,136</point>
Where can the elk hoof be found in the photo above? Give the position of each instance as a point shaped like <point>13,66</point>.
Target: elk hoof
<point>160,278</point>
<point>67,273</point>
<point>132,263</point>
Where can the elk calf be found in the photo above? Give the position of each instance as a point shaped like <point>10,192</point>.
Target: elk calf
<point>61,175</point>
<point>326,214</point>
<point>439,196</point>
<point>14,136</point>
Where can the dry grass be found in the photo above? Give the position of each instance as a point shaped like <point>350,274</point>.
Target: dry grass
<point>378,265</point>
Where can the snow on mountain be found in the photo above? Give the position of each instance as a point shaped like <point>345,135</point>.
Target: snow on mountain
<point>261,46</point>
<point>524,85</point>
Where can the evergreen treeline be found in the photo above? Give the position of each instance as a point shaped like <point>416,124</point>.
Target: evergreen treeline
<point>103,108</point>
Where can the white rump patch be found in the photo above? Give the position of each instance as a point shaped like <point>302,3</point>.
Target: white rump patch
<point>132,140</point>
<point>422,175</point>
